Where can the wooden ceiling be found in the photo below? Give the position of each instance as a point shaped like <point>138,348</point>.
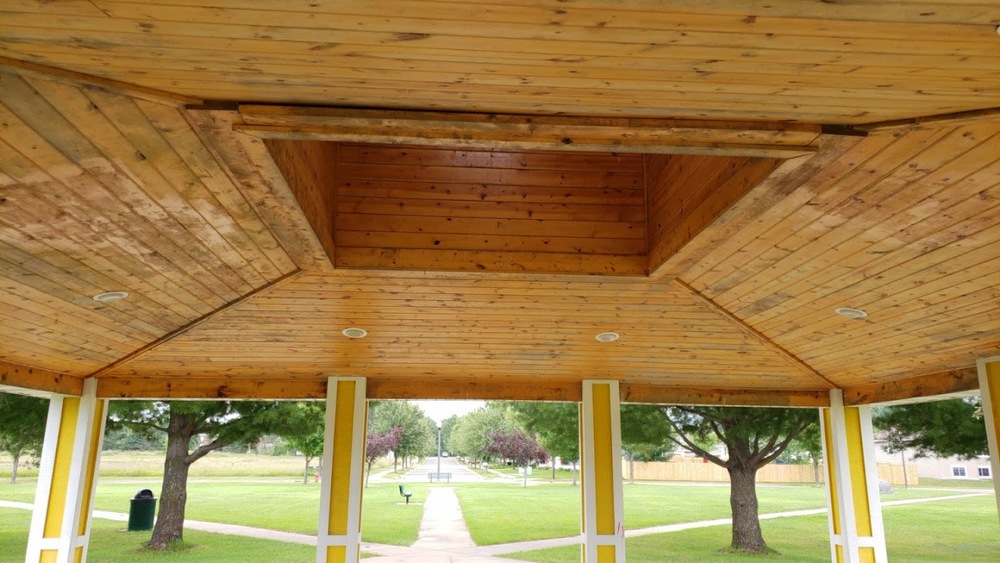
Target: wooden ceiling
<point>486,187</point>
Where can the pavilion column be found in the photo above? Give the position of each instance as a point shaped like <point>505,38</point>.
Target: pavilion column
<point>603,520</point>
<point>339,536</point>
<point>855,512</point>
<point>989,389</point>
<point>67,475</point>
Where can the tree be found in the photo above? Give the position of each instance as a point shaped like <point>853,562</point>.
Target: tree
<point>753,437</point>
<point>557,427</point>
<point>223,422</point>
<point>519,448</point>
<point>22,427</point>
<point>807,447</point>
<point>645,435</point>
<point>378,445</point>
<point>952,427</point>
<point>473,432</point>
<point>308,433</point>
<point>415,438</point>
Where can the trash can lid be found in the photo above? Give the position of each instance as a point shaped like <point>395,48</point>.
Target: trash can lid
<point>145,493</point>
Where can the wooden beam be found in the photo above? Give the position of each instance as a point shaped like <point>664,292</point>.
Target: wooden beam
<point>309,168</point>
<point>492,388</point>
<point>522,132</point>
<point>943,383</point>
<point>116,86</point>
<point>222,388</point>
<point>248,161</point>
<point>699,204</point>
<point>180,331</point>
<point>25,377</point>
<point>453,388</point>
<point>659,394</point>
<point>758,335</point>
<point>956,119</point>
<point>784,180</point>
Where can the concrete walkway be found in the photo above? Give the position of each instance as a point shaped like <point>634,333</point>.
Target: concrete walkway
<point>444,537</point>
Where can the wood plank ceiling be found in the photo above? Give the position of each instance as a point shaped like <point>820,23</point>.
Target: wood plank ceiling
<point>709,179</point>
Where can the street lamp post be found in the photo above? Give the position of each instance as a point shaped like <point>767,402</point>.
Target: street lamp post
<point>439,452</point>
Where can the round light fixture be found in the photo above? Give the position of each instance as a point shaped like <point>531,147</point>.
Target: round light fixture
<point>354,332</point>
<point>607,336</point>
<point>851,313</point>
<point>110,296</point>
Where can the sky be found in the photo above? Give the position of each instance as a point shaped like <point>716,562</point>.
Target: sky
<point>440,410</point>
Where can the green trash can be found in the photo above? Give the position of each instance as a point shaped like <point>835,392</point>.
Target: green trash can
<point>142,511</point>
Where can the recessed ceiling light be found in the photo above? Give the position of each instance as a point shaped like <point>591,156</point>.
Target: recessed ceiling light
<point>354,332</point>
<point>607,336</point>
<point>110,296</point>
<point>851,313</point>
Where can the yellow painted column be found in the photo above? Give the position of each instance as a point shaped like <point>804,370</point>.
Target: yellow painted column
<point>67,475</point>
<point>603,520</point>
<point>989,389</point>
<point>855,512</point>
<point>339,536</point>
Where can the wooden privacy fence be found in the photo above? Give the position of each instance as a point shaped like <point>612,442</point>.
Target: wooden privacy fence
<point>687,469</point>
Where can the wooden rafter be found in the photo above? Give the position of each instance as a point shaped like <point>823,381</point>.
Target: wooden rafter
<point>197,322</point>
<point>743,326</point>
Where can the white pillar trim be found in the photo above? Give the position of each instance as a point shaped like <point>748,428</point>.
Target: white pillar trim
<point>351,540</point>
<point>69,540</point>
<point>848,539</point>
<point>990,414</point>
<point>591,538</point>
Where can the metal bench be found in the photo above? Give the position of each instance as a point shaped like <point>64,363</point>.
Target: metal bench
<point>406,494</point>
<point>438,476</point>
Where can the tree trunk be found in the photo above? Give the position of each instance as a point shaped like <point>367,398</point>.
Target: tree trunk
<point>553,468</point>
<point>305,472</point>
<point>169,525</point>
<point>13,469</point>
<point>525,476</point>
<point>815,471</point>
<point>631,468</point>
<point>747,536</point>
<point>574,473</point>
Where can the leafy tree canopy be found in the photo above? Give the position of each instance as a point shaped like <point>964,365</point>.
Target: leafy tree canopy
<point>473,432</point>
<point>22,427</point>
<point>555,424</point>
<point>952,427</point>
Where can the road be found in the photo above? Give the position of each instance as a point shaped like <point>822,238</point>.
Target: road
<point>459,472</point>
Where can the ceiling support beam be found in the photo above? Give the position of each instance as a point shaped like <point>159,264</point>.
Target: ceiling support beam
<point>962,380</point>
<point>527,132</point>
<point>452,388</point>
<point>24,377</point>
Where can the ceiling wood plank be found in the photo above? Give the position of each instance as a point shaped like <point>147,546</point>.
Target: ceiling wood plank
<point>197,322</point>
<point>757,334</point>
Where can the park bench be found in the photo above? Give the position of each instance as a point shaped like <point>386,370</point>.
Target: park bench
<point>438,476</point>
<point>406,494</point>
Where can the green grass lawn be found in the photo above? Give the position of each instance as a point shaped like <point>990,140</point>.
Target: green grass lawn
<point>109,544</point>
<point>282,505</point>
<point>553,510</point>
<point>927,532</point>
<point>502,511</point>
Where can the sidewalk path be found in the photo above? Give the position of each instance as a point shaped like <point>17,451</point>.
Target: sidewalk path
<point>444,537</point>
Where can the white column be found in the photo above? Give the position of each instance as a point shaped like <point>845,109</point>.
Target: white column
<point>339,535</point>
<point>855,512</point>
<point>67,477</point>
<point>989,388</point>
<point>601,473</point>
